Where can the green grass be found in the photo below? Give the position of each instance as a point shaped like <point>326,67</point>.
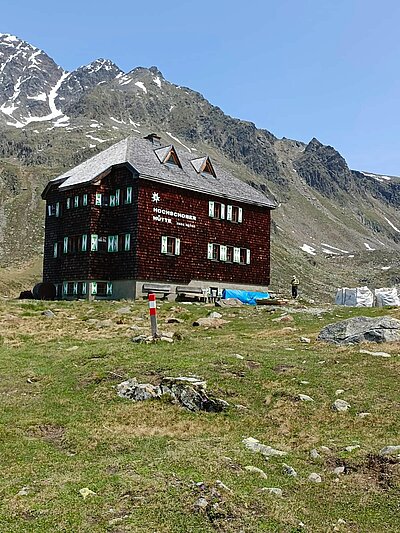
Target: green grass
<point>63,428</point>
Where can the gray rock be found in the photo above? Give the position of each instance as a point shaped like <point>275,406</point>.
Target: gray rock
<point>390,450</point>
<point>229,302</point>
<point>363,415</point>
<point>352,448</point>
<point>48,313</point>
<point>139,339</point>
<point>210,322</point>
<point>222,486</point>
<point>174,320</point>
<point>340,405</point>
<point>315,478</point>
<point>314,454</point>
<point>255,446</point>
<point>289,471</point>
<point>338,392</point>
<point>123,310</point>
<point>325,449</point>
<point>339,470</point>
<point>305,398</point>
<point>137,392</point>
<point>306,340</point>
<point>273,490</point>
<point>362,329</point>
<point>256,470</point>
<point>201,504</point>
<point>23,492</point>
<point>376,354</point>
<point>215,314</point>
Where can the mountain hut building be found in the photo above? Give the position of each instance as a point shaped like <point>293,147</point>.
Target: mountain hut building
<point>142,216</point>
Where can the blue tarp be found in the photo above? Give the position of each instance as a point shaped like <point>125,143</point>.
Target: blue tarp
<point>247,297</point>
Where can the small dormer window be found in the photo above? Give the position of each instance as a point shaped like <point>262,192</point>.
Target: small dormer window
<point>168,155</point>
<point>203,166</point>
<point>172,159</point>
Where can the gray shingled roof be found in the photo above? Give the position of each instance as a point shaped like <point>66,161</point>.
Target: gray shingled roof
<point>140,154</point>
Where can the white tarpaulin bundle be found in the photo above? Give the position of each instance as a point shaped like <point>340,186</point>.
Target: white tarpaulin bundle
<point>387,296</point>
<point>355,297</point>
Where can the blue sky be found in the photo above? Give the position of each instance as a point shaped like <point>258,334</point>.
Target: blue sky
<point>305,68</point>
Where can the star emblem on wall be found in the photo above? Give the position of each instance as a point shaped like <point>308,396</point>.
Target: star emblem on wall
<point>155,197</point>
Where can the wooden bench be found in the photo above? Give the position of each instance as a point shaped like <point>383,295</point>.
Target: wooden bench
<point>165,290</point>
<point>198,292</point>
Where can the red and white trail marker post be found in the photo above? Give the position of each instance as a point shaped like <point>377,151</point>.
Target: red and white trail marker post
<point>153,315</point>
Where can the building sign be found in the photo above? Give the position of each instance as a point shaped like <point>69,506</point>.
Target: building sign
<point>168,216</point>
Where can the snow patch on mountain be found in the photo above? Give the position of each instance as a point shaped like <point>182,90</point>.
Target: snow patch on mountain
<point>142,86</point>
<point>308,249</point>
<point>392,225</point>
<point>180,142</point>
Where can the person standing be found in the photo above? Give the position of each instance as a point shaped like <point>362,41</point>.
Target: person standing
<point>295,284</point>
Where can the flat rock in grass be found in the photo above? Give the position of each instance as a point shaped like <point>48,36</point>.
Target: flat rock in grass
<point>305,340</point>
<point>284,318</point>
<point>376,354</point>
<point>123,310</point>
<point>390,450</point>
<point>229,302</point>
<point>85,492</point>
<point>215,314</point>
<point>189,392</point>
<point>210,322</point>
<point>338,392</point>
<point>305,398</point>
<point>362,329</point>
<point>352,448</point>
<point>340,405</point>
<point>255,470</point>
<point>314,478</point>
<point>314,454</point>
<point>139,339</point>
<point>201,504</point>
<point>289,470</point>
<point>273,490</point>
<point>222,486</point>
<point>48,313</point>
<point>339,470</point>
<point>23,492</point>
<point>256,446</point>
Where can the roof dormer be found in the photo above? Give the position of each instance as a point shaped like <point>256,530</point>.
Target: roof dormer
<point>168,155</point>
<point>203,165</point>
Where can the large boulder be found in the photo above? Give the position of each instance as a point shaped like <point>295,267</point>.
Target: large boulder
<point>362,329</point>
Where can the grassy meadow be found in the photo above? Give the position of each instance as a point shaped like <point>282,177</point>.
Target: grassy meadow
<point>63,427</point>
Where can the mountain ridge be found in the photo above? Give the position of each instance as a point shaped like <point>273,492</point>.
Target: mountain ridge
<point>88,109</point>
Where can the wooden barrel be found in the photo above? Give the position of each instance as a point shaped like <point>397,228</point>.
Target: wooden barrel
<point>44,291</point>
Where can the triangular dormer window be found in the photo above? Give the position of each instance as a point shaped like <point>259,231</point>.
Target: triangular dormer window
<point>203,165</point>
<point>168,155</point>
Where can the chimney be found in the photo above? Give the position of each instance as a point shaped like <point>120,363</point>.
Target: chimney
<point>154,139</point>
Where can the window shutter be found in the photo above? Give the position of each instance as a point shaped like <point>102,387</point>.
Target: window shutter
<point>210,251</point>
<point>127,242</point>
<point>65,245</point>
<point>55,249</point>
<point>222,211</point>
<point>49,210</point>
<point>68,203</point>
<point>76,201</point>
<point>65,287</point>
<point>84,199</point>
<point>84,243</point>
<point>236,255</point>
<point>164,245</point>
<point>129,195</point>
<point>94,287</point>
<point>247,257</point>
<point>94,243</point>
<point>75,291</point>
<point>211,209</point>
<point>109,288</point>
<point>84,287</point>
<point>57,209</point>
<point>112,200</point>
<point>110,246</point>
<point>117,196</point>
<point>240,214</point>
<point>98,198</point>
<point>229,212</point>
<point>177,247</point>
<point>222,252</point>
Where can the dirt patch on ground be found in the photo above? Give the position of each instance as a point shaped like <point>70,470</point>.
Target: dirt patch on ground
<point>51,433</point>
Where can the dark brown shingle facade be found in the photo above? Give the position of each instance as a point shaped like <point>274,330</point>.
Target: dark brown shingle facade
<point>139,213</point>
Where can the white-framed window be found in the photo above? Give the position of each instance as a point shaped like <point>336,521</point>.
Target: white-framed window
<point>68,203</point>
<point>99,199</point>
<point>117,196</point>
<point>213,251</point>
<point>84,243</point>
<point>85,200</point>
<point>127,242</point>
<point>93,288</point>
<point>76,201</point>
<point>55,249</point>
<point>94,243</point>
<point>222,252</point>
<point>128,197</point>
<point>216,210</point>
<point>112,243</point>
<point>112,200</point>
<point>53,210</point>
<point>234,213</point>
<point>170,245</point>
<point>65,249</point>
